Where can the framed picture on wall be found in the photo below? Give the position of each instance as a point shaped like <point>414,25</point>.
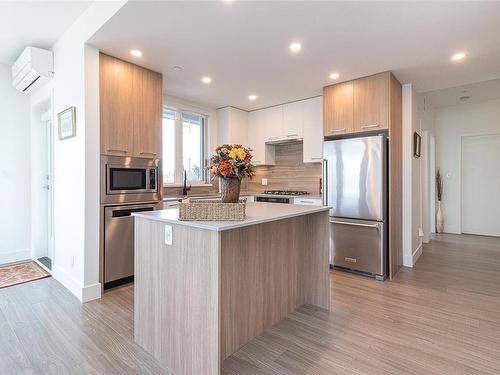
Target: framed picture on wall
<point>67,123</point>
<point>417,144</point>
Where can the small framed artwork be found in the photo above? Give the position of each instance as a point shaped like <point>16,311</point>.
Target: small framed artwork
<point>417,144</point>
<point>67,123</point>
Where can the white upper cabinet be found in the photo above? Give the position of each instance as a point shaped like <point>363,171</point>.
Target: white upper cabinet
<point>272,117</point>
<point>313,130</point>
<point>302,119</point>
<point>258,133</point>
<point>293,119</point>
<point>233,126</point>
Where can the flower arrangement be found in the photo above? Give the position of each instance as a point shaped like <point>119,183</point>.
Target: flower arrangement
<point>232,161</point>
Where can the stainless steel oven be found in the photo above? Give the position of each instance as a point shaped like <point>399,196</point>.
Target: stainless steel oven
<point>126,179</point>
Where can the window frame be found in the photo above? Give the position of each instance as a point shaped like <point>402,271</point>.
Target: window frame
<point>179,168</point>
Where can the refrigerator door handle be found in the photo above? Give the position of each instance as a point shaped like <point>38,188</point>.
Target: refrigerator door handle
<point>325,182</point>
<point>354,224</point>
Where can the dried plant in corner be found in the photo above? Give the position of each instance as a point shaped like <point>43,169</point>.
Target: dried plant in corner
<point>439,185</point>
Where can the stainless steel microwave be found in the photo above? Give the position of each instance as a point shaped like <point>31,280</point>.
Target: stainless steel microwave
<point>126,179</point>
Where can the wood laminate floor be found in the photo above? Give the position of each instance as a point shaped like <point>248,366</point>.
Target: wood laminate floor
<point>441,317</point>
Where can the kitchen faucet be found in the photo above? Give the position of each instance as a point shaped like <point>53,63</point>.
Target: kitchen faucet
<point>185,188</point>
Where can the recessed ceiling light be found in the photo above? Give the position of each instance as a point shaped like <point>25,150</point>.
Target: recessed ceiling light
<point>295,47</point>
<point>458,56</point>
<point>206,80</point>
<point>334,76</point>
<point>177,68</point>
<point>252,97</point>
<point>136,53</point>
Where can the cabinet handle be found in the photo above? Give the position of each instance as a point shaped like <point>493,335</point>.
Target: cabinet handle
<point>292,135</point>
<point>337,130</point>
<point>370,126</point>
<point>115,150</point>
<point>148,153</point>
<point>272,138</point>
<point>257,161</point>
<point>320,158</point>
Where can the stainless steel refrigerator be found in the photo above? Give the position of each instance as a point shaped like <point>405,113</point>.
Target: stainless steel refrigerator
<point>355,186</point>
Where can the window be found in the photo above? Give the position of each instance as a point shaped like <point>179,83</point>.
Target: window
<point>183,147</point>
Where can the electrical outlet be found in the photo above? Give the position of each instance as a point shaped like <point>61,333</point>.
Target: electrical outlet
<point>72,261</point>
<point>168,235</point>
<point>264,181</point>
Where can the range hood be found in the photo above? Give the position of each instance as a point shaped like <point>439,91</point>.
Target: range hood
<point>279,141</point>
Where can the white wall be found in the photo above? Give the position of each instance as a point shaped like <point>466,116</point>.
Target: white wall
<point>76,160</point>
<point>426,118</point>
<point>412,195</point>
<point>451,123</point>
<point>15,237</point>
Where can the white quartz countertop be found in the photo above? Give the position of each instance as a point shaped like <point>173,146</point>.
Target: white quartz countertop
<point>256,213</point>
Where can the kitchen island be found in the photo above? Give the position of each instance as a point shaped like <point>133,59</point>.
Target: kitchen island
<point>203,289</point>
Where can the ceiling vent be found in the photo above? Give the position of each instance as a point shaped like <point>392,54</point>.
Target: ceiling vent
<point>33,68</point>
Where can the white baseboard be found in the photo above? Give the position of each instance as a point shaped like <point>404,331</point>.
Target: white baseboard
<point>15,256</point>
<point>410,260</point>
<point>91,292</point>
<point>83,293</point>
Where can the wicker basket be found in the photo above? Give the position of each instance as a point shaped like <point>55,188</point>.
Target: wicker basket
<point>211,210</point>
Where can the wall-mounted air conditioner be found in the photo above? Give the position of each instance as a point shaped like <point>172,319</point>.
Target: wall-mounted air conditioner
<point>33,68</point>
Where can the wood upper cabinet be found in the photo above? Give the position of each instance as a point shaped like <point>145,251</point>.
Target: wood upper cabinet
<point>148,111</point>
<point>338,109</point>
<point>371,102</point>
<point>116,99</point>
<point>131,105</point>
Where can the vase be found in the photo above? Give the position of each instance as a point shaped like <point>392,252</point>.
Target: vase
<point>230,189</point>
<point>439,219</point>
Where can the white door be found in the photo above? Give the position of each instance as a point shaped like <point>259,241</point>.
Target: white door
<point>50,191</point>
<point>480,185</point>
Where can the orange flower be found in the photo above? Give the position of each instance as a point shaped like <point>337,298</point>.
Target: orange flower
<point>225,168</point>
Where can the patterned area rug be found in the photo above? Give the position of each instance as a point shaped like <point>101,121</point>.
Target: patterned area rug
<point>21,273</point>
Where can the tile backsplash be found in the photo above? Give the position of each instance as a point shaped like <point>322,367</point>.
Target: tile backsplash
<point>289,172</point>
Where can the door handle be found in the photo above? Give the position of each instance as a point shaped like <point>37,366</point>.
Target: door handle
<point>325,182</point>
<point>354,224</point>
<point>370,126</point>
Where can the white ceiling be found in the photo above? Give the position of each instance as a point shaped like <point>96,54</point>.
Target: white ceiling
<point>478,92</point>
<point>243,45</point>
<point>34,23</point>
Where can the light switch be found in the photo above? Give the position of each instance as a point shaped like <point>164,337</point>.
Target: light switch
<point>168,235</point>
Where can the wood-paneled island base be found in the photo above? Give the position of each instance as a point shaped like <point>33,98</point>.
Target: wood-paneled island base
<point>220,284</point>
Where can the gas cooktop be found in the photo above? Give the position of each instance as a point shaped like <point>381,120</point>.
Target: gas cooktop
<point>285,192</point>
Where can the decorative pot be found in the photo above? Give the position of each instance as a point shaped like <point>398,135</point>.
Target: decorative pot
<point>230,189</point>
<point>439,219</point>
